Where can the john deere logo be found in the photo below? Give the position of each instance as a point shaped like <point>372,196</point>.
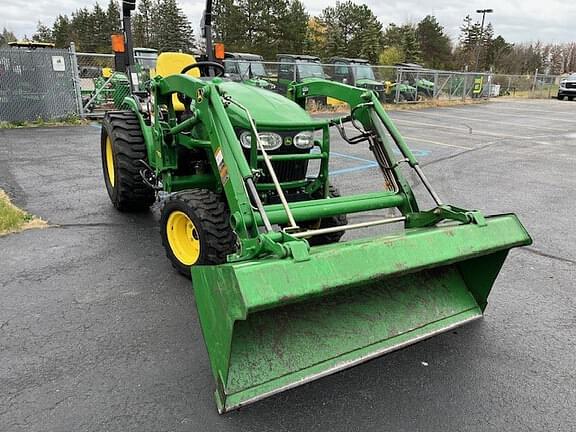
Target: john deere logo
<point>200,95</point>
<point>288,141</point>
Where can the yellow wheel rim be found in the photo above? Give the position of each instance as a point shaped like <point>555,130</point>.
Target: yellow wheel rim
<point>110,162</point>
<point>183,238</point>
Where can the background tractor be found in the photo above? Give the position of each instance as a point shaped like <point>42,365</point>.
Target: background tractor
<point>248,68</point>
<point>357,73</point>
<point>280,300</point>
<point>296,68</point>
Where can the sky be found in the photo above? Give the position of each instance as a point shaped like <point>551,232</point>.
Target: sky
<point>515,20</point>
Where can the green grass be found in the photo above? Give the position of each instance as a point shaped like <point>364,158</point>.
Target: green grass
<point>65,121</point>
<point>13,219</point>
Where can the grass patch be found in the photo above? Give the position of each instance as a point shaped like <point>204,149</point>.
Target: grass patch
<point>65,121</point>
<point>13,219</point>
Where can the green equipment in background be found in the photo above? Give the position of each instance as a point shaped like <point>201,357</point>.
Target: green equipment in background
<point>280,300</point>
<point>356,72</point>
<point>248,68</point>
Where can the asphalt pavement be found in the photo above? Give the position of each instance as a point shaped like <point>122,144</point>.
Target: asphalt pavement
<point>99,333</point>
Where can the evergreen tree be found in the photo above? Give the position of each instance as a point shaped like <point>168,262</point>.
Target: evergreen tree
<point>113,20</point>
<point>405,39</point>
<point>98,21</point>
<point>173,30</point>
<point>6,36</point>
<point>434,43</point>
<point>61,32</point>
<point>43,33</point>
<point>352,30</point>
<point>145,25</point>
<point>293,27</point>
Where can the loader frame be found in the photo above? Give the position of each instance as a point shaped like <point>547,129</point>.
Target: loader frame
<point>232,173</point>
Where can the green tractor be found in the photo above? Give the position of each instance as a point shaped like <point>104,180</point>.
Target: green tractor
<point>112,86</point>
<point>357,73</point>
<point>400,92</point>
<point>248,68</point>
<point>280,300</point>
<point>295,69</point>
<point>415,75</point>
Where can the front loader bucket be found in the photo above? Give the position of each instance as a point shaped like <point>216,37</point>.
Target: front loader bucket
<point>273,324</point>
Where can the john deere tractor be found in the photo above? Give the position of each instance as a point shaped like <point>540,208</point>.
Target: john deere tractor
<point>297,68</point>
<point>280,300</point>
<point>248,68</point>
<point>356,72</point>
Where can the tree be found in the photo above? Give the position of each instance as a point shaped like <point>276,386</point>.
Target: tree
<point>101,29</point>
<point>496,51</point>
<point>113,25</point>
<point>173,31</point>
<point>434,43</point>
<point>293,28</point>
<point>405,39</point>
<point>6,36</point>
<point>352,30</point>
<point>43,33</point>
<point>391,56</point>
<point>315,42</point>
<point>144,24</point>
<point>61,32</point>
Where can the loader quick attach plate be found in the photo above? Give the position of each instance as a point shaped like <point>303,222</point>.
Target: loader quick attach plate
<point>274,324</point>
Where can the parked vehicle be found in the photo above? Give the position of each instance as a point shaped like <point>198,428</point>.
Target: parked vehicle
<point>567,87</point>
<point>356,72</point>
<point>297,68</point>
<point>248,68</point>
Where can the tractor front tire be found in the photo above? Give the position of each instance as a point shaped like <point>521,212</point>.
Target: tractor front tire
<point>122,148</point>
<point>195,229</point>
<point>328,222</point>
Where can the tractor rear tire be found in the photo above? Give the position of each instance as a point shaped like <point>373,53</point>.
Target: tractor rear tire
<point>328,222</point>
<point>123,147</point>
<point>195,229</point>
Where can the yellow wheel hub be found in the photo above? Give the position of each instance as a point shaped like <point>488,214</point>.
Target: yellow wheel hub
<point>110,162</point>
<point>183,238</point>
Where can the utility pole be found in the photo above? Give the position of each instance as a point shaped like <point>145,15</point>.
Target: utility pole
<point>478,47</point>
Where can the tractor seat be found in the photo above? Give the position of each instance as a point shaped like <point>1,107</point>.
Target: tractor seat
<point>172,63</point>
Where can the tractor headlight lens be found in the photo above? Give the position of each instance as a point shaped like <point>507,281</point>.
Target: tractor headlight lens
<point>304,140</point>
<point>268,140</point>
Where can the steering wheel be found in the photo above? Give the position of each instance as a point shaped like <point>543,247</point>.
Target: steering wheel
<point>204,67</point>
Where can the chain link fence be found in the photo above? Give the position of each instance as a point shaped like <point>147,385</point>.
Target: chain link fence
<point>37,84</point>
<point>53,84</point>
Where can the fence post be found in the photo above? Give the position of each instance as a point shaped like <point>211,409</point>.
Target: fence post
<point>534,83</point>
<point>76,79</point>
<point>435,91</point>
<point>398,84</point>
<point>464,81</point>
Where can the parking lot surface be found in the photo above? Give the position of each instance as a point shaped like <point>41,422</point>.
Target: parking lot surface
<point>99,333</point>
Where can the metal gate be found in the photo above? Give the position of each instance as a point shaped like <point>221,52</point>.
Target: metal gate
<point>37,84</point>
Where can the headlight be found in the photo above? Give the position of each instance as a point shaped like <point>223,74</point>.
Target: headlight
<point>304,140</point>
<point>563,84</point>
<point>268,140</point>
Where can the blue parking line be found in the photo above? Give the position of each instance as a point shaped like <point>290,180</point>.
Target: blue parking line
<point>353,169</point>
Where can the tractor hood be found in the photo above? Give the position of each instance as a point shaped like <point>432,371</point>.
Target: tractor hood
<point>268,109</point>
<point>368,83</point>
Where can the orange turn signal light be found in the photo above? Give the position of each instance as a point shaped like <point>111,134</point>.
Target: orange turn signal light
<point>118,43</point>
<point>219,51</point>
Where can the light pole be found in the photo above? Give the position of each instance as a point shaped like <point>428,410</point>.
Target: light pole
<point>483,12</point>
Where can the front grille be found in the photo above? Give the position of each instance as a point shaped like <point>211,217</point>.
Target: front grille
<point>285,170</point>
<point>571,85</point>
